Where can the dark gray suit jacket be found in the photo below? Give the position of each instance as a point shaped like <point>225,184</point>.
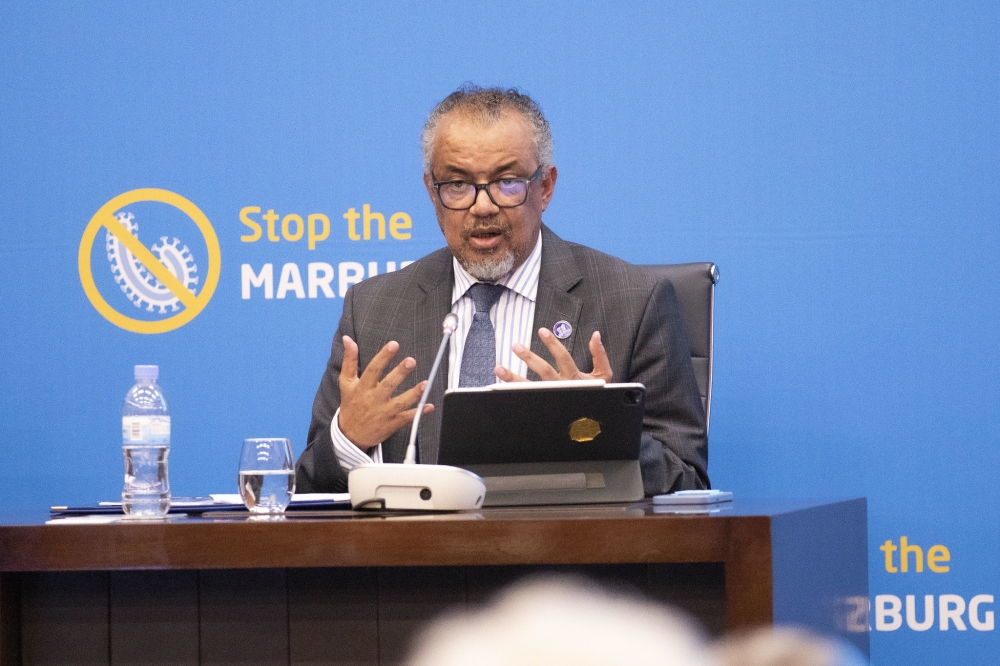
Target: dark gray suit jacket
<point>640,326</point>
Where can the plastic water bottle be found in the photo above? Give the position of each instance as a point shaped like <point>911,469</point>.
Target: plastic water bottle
<point>146,445</point>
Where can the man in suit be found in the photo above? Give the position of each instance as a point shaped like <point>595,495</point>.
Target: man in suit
<point>488,170</point>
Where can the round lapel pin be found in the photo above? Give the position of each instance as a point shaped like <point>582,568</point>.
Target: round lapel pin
<point>562,329</point>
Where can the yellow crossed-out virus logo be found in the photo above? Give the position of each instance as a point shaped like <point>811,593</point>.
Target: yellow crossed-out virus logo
<point>162,279</point>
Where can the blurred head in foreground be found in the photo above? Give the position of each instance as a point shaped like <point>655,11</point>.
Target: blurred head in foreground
<point>562,622</point>
<point>785,646</point>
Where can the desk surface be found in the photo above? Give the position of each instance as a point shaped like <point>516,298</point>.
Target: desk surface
<point>753,561</point>
<point>497,536</point>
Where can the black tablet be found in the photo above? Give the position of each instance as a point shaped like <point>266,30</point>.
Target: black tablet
<point>535,422</point>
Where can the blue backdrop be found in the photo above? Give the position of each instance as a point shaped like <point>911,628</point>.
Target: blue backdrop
<point>838,160</point>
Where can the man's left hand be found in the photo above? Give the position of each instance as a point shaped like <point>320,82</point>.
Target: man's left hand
<point>567,368</point>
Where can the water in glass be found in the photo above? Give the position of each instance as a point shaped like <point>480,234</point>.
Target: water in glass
<point>267,475</point>
<point>267,491</point>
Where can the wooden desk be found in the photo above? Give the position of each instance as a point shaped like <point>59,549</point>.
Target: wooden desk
<point>353,589</point>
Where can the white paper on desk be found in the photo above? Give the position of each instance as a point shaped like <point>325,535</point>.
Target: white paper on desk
<point>321,497</point>
<point>688,497</point>
<point>234,498</point>
<point>98,519</point>
<point>175,502</point>
<point>691,509</point>
<point>108,518</point>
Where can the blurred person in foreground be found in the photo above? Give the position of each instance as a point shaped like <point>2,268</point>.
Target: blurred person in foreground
<point>562,622</point>
<point>785,646</point>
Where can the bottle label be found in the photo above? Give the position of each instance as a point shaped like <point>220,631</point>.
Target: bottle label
<point>146,429</point>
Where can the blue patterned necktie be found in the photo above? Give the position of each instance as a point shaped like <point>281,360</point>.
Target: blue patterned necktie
<point>480,354</point>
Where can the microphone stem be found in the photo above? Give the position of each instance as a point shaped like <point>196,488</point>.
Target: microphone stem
<point>411,448</point>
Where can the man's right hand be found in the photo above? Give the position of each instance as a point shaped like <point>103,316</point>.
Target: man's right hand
<point>369,413</point>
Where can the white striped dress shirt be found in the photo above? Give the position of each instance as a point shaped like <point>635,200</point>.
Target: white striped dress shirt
<point>512,317</point>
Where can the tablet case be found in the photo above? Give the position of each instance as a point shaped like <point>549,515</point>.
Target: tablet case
<point>547,442</point>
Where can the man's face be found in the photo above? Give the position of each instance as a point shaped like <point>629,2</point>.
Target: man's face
<point>487,240</point>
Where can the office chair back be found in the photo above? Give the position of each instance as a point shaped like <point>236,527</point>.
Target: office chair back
<point>695,287</point>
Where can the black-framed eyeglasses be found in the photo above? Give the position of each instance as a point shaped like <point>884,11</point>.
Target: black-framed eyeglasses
<point>503,192</point>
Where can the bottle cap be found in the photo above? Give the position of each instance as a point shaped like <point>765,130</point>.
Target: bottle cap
<point>150,372</point>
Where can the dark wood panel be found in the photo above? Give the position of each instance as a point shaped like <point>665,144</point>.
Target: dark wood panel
<point>409,598</point>
<point>154,618</point>
<point>698,589</point>
<point>244,617</point>
<point>10,619</point>
<point>333,617</point>
<point>64,619</point>
<point>487,582</point>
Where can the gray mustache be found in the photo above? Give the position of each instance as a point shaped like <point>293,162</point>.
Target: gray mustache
<point>505,230</point>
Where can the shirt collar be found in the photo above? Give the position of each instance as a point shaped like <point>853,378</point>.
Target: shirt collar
<point>523,281</point>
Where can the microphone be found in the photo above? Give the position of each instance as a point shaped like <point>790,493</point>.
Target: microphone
<point>408,485</point>
<point>448,326</point>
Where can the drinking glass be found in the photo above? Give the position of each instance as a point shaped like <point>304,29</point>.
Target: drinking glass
<point>267,475</point>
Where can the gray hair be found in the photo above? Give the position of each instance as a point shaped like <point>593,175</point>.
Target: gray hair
<point>562,622</point>
<point>488,105</point>
<point>785,646</point>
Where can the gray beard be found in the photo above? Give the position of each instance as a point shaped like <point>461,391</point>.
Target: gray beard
<point>490,269</point>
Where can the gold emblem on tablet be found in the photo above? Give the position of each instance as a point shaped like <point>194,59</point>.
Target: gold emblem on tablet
<point>584,430</point>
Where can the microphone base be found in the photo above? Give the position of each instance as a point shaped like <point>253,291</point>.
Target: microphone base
<point>415,487</point>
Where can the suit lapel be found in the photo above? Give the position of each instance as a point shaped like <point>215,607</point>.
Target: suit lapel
<point>436,283</point>
<point>558,274</point>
